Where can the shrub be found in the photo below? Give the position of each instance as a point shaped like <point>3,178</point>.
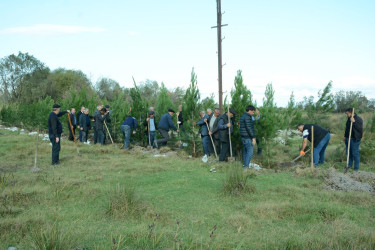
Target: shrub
<point>236,181</point>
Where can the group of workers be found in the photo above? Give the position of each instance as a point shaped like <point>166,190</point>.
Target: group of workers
<point>216,131</point>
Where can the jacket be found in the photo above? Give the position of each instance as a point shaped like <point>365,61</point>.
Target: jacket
<point>222,125</point>
<point>99,121</point>
<point>215,130</point>
<point>166,122</point>
<point>203,127</point>
<point>145,123</point>
<point>319,133</point>
<point>73,120</point>
<point>54,124</point>
<point>247,126</point>
<point>84,122</point>
<point>357,129</point>
<point>180,118</point>
<point>131,122</point>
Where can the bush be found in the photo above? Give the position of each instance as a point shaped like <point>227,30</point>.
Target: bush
<point>236,181</point>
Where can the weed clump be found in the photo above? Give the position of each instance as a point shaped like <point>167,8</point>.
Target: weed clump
<point>50,237</point>
<point>236,181</point>
<point>123,202</point>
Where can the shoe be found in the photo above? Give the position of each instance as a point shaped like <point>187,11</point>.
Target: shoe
<point>156,145</point>
<point>55,164</point>
<point>346,170</point>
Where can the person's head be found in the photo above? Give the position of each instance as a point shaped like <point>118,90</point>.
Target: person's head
<point>73,110</point>
<point>300,127</point>
<point>86,111</point>
<point>217,112</point>
<point>151,109</point>
<point>82,109</point>
<point>107,107</point>
<point>151,114</point>
<point>232,112</point>
<point>201,113</point>
<point>180,108</point>
<point>209,111</point>
<point>171,112</point>
<point>349,112</point>
<point>56,108</point>
<point>103,111</point>
<point>99,107</point>
<point>250,109</point>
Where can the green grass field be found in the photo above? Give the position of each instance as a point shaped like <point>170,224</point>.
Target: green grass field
<point>111,199</point>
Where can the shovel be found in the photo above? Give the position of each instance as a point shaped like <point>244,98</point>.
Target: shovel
<point>231,158</point>
<point>74,136</point>
<point>299,156</point>
<point>108,132</point>
<point>212,141</point>
<point>350,135</point>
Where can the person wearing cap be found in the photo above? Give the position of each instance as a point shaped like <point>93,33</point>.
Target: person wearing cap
<point>321,140</point>
<point>247,133</point>
<point>84,125</point>
<point>165,124</point>
<point>79,113</point>
<point>129,124</point>
<point>99,124</point>
<point>54,131</point>
<point>73,120</point>
<point>150,122</point>
<point>355,138</point>
<point>204,132</point>
<point>223,126</point>
<point>96,113</point>
<point>180,120</point>
<point>213,121</point>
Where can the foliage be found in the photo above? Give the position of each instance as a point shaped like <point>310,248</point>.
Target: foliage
<point>236,182</point>
<point>209,103</point>
<point>351,99</point>
<point>163,102</point>
<point>138,110</point>
<point>108,89</point>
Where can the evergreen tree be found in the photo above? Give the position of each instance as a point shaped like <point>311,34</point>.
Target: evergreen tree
<point>163,102</point>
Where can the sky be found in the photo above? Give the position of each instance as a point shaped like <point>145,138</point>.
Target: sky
<point>296,45</point>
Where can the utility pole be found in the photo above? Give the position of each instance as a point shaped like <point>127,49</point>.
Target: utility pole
<point>220,64</point>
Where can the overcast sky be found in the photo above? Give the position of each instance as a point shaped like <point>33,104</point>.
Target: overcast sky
<point>297,45</point>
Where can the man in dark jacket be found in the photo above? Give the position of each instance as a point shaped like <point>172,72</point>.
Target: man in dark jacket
<point>54,131</point>
<point>223,126</point>
<point>99,125</point>
<point>204,132</point>
<point>355,138</point>
<point>180,120</point>
<point>165,124</point>
<point>150,123</point>
<point>84,125</point>
<point>213,121</point>
<point>127,126</point>
<point>247,133</point>
<point>79,113</point>
<point>321,140</point>
<point>96,113</point>
<point>73,120</point>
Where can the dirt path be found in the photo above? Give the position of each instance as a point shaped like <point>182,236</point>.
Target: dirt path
<point>358,181</point>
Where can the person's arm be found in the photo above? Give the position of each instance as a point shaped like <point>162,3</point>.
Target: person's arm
<point>170,122</point>
<point>304,143</point>
<point>145,123</point>
<point>221,124</point>
<point>54,125</point>
<point>201,121</point>
<point>62,113</point>
<point>135,124</point>
<point>358,124</point>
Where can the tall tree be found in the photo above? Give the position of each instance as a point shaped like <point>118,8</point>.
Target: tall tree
<point>164,102</point>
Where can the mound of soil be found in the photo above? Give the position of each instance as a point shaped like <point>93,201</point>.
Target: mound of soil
<point>335,180</point>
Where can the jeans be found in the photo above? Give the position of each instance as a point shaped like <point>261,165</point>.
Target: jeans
<point>320,149</point>
<point>353,152</point>
<point>126,130</point>
<point>84,135</point>
<point>95,136</point>
<point>80,135</point>
<point>100,136</point>
<point>55,148</point>
<point>150,141</point>
<point>205,142</point>
<point>247,152</point>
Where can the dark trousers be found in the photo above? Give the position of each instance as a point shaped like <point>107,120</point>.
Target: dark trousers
<point>206,141</point>
<point>225,150</point>
<point>84,135</point>
<point>353,152</point>
<point>95,136</point>
<point>80,135</point>
<point>152,138</point>
<point>217,146</point>
<point>71,132</point>
<point>165,135</point>
<point>55,148</point>
<point>100,136</point>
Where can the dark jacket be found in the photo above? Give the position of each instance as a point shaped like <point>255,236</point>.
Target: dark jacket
<point>79,113</point>
<point>247,126</point>
<point>203,127</point>
<point>166,122</point>
<point>180,118</point>
<point>222,125</point>
<point>319,133</point>
<point>99,121</point>
<point>85,122</point>
<point>131,122</point>
<point>145,123</point>
<point>73,120</point>
<point>54,124</point>
<point>97,112</point>
<point>215,130</point>
<point>357,129</point>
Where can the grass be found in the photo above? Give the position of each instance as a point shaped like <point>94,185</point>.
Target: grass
<point>111,199</point>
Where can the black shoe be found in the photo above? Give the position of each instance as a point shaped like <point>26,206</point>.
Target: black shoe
<point>55,164</point>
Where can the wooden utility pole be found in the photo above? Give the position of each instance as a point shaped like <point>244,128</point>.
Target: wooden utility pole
<point>220,64</point>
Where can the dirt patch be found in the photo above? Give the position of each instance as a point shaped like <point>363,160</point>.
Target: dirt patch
<point>335,180</point>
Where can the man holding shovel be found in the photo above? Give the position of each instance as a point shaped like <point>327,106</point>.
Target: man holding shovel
<point>247,133</point>
<point>321,139</point>
<point>213,121</point>
<point>204,132</point>
<point>355,138</point>
<point>150,123</point>
<point>225,124</point>
<point>54,131</point>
